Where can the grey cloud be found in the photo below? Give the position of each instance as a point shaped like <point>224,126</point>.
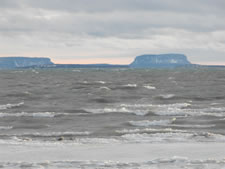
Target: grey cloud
<point>111,17</point>
<point>137,26</point>
<point>115,5</point>
<point>120,24</point>
<point>10,4</point>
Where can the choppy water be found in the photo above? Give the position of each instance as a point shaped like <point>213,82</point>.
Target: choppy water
<point>97,106</point>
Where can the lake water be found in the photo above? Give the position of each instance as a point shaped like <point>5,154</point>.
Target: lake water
<point>112,118</point>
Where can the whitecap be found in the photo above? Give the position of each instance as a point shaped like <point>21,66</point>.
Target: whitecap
<point>107,110</point>
<point>173,137</point>
<point>171,78</point>
<point>149,87</point>
<point>166,96</point>
<point>73,133</point>
<point>130,85</point>
<point>117,110</point>
<point>52,134</point>
<point>164,109</point>
<point>18,71</point>
<point>18,140</point>
<point>76,70</point>
<point>193,125</point>
<point>6,127</point>
<point>85,82</point>
<point>8,106</point>
<point>97,140</point>
<point>135,136</point>
<point>100,82</point>
<point>137,105</point>
<point>175,162</point>
<point>180,109</point>
<point>35,71</point>
<point>146,123</point>
<point>38,114</point>
<point>177,109</point>
<point>104,88</point>
<point>214,104</point>
<point>148,130</point>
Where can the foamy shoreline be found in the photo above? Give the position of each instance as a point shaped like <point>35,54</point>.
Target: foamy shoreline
<point>114,152</point>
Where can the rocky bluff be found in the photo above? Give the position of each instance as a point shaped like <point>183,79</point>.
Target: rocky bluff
<point>21,62</point>
<point>159,61</point>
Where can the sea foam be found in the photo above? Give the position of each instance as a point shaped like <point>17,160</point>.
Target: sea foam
<point>117,110</point>
<point>149,87</point>
<point>6,127</point>
<point>38,114</point>
<point>146,123</point>
<point>8,106</point>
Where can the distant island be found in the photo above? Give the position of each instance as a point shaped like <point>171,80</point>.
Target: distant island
<point>143,61</point>
<point>22,62</point>
<point>160,61</point>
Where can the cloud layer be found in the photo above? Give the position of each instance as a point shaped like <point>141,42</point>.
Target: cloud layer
<point>85,29</point>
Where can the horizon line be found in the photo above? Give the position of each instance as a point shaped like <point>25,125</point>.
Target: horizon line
<point>110,61</point>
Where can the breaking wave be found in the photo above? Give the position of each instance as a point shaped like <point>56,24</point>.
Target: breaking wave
<point>38,114</point>
<point>166,96</point>
<point>170,162</point>
<point>149,87</point>
<point>146,123</point>
<point>104,88</point>
<point>6,127</point>
<point>50,134</point>
<point>168,137</point>
<point>130,85</point>
<point>9,106</point>
<point>127,136</point>
<point>177,109</point>
<point>149,130</point>
<point>100,82</point>
<point>117,110</point>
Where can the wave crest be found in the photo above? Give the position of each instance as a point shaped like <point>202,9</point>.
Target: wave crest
<point>9,106</point>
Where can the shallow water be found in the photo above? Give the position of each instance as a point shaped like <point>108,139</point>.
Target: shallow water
<point>112,106</point>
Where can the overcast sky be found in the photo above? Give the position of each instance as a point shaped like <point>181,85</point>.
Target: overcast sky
<point>113,31</point>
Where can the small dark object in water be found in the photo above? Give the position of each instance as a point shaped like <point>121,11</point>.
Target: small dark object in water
<point>60,139</point>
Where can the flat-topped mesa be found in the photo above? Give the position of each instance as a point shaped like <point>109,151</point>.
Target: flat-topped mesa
<point>161,60</point>
<point>20,62</point>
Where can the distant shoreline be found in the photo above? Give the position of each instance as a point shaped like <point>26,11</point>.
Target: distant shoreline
<point>159,61</point>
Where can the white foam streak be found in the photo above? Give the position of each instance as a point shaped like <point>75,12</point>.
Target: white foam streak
<point>177,109</point>
<point>76,70</point>
<point>148,130</point>
<point>101,82</point>
<point>166,96</point>
<point>192,125</point>
<point>117,110</point>
<point>149,87</point>
<point>8,106</point>
<point>6,127</point>
<point>146,123</point>
<point>53,134</point>
<point>173,137</point>
<point>129,136</point>
<point>130,85</point>
<point>104,88</point>
<point>174,162</point>
<point>38,114</point>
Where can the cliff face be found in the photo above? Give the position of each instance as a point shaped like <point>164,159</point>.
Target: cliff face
<point>19,62</point>
<point>163,60</point>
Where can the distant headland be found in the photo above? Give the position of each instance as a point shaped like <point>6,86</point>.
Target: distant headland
<point>143,61</point>
<point>22,62</point>
<point>160,61</point>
